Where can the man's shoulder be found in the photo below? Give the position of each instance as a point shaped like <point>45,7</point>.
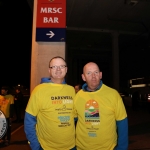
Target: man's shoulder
<point>108,88</point>
<point>40,87</point>
<point>44,86</point>
<point>69,86</point>
<point>9,96</point>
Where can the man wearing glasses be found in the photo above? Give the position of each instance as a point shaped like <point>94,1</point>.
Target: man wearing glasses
<point>49,120</point>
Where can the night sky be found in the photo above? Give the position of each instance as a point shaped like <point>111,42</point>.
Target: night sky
<point>15,47</point>
<point>15,42</point>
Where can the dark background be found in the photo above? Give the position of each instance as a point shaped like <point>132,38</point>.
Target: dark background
<point>15,42</point>
<point>16,36</point>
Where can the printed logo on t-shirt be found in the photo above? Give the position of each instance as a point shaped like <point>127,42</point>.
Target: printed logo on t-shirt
<point>64,110</point>
<point>92,115</point>
<point>62,99</point>
<point>64,120</point>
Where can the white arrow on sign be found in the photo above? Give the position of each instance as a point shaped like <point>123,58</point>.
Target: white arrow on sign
<point>51,34</point>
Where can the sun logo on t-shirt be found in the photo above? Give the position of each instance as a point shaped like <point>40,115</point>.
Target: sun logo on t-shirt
<point>92,109</point>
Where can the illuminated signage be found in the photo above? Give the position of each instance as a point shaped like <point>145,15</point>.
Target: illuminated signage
<point>51,15</point>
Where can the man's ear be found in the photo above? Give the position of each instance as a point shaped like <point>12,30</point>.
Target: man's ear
<point>66,69</point>
<point>49,70</point>
<point>100,75</point>
<point>83,77</point>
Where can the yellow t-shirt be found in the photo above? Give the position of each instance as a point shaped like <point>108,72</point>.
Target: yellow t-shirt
<point>1,98</point>
<point>52,104</point>
<point>97,114</point>
<point>5,106</point>
<point>10,98</point>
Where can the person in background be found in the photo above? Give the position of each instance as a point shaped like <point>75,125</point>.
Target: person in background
<point>18,103</point>
<point>7,107</point>
<point>49,116</point>
<point>102,117</point>
<point>77,87</point>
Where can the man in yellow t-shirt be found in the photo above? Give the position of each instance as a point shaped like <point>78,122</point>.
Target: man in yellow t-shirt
<point>7,107</point>
<point>49,117</point>
<point>102,118</point>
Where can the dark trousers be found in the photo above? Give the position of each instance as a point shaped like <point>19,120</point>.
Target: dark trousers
<point>7,135</point>
<point>18,110</point>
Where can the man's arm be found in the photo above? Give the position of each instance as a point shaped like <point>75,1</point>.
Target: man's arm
<point>122,130</point>
<point>29,128</point>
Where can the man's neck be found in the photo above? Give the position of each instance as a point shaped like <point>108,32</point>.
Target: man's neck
<point>92,89</point>
<point>86,88</point>
<point>57,81</point>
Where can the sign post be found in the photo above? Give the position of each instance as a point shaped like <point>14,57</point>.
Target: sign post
<point>51,21</point>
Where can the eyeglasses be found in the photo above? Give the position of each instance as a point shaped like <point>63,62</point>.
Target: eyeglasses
<point>56,67</point>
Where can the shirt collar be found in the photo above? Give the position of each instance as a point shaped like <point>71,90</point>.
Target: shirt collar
<point>85,87</point>
<point>48,80</point>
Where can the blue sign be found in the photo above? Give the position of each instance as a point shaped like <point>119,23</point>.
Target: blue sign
<point>50,34</point>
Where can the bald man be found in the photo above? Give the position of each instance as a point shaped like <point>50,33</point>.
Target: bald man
<point>102,118</point>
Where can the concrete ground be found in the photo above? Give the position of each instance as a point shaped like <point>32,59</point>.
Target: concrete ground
<point>139,129</point>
